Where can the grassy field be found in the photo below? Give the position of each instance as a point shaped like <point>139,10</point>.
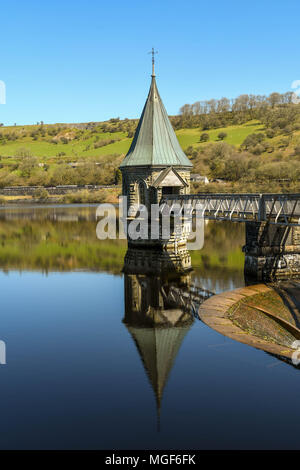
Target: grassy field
<point>235,134</point>
<point>84,146</point>
<point>75,149</point>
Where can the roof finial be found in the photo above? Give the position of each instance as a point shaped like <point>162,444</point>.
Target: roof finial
<point>153,52</point>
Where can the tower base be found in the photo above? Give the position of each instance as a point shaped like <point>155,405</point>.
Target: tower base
<point>157,261</point>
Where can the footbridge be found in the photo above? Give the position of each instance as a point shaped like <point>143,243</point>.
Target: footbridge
<point>279,209</point>
<point>272,248</point>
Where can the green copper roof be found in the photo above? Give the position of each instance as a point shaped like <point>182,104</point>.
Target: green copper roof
<point>155,142</point>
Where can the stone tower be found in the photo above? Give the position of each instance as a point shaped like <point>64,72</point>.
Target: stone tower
<point>155,164</point>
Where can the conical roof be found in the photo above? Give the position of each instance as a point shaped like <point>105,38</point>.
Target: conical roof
<point>155,142</point>
<point>158,348</point>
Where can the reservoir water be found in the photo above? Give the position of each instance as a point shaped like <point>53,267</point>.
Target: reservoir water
<point>81,374</point>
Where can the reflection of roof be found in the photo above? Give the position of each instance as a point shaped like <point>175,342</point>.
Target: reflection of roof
<point>155,142</point>
<point>158,348</point>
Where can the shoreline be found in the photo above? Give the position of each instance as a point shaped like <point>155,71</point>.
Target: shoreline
<point>43,202</point>
<point>60,195</point>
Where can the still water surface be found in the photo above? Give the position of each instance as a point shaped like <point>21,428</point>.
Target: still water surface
<point>79,377</point>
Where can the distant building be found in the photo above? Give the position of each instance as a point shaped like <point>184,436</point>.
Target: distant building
<point>196,178</point>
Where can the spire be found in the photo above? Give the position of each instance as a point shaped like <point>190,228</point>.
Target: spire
<point>155,142</point>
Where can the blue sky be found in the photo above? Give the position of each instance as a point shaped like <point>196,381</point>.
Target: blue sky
<point>75,61</point>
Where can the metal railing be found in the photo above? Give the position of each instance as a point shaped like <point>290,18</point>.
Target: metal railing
<point>189,298</point>
<point>280,209</point>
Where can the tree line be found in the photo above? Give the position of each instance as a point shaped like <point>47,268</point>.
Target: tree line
<point>220,113</point>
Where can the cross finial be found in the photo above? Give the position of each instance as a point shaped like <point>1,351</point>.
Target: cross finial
<point>153,52</point>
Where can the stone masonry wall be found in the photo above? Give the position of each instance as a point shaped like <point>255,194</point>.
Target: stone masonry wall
<point>272,251</point>
<point>132,177</point>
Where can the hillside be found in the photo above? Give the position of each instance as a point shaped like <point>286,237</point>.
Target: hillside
<point>55,143</point>
<point>246,154</point>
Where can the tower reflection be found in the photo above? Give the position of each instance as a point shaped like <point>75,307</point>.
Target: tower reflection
<point>155,321</point>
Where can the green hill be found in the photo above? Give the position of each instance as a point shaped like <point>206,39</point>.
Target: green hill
<point>247,156</point>
<point>80,144</point>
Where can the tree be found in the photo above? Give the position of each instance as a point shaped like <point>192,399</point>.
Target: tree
<point>212,106</point>
<point>41,193</point>
<point>241,103</point>
<point>186,110</point>
<point>196,108</point>
<point>204,137</point>
<point>258,149</point>
<point>252,140</point>
<point>270,133</point>
<point>223,105</point>
<point>288,130</point>
<point>222,135</point>
<point>27,165</point>
<point>274,98</point>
